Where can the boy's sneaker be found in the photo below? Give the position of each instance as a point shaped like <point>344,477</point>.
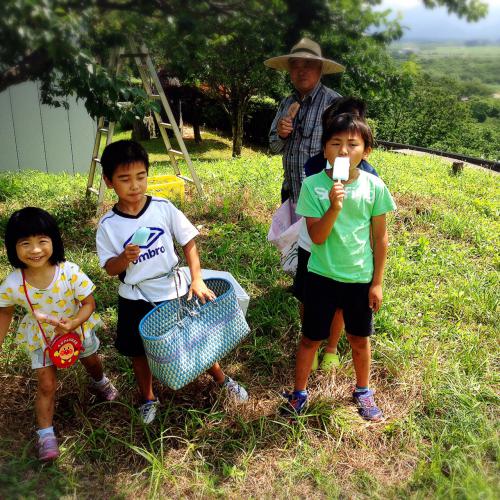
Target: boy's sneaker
<point>148,411</point>
<point>107,391</point>
<point>367,407</point>
<point>48,448</point>
<point>235,390</point>
<point>296,402</point>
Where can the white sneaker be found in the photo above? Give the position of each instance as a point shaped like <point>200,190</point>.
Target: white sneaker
<point>148,411</point>
<point>235,390</point>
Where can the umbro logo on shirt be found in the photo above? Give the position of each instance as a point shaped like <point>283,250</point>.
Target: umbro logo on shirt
<point>152,252</point>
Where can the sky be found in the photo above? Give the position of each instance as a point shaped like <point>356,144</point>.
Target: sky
<point>437,24</point>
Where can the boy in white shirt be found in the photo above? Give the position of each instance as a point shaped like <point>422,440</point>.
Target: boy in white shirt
<point>145,271</point>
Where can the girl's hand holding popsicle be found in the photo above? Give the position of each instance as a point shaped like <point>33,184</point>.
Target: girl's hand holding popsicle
<point>46,318</point>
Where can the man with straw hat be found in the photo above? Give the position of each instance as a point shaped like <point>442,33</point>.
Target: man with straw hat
<point>296,128</point>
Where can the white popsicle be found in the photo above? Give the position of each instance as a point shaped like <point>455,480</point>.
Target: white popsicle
<point>341,168</point>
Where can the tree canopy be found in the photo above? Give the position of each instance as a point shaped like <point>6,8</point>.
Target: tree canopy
<point>65,45</point>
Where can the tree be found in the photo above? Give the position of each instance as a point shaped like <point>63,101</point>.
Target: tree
<point>430,115</point>
<point>226,54</point>
<point>50,41</point>
<point>54,41</point>
<point>472,10</point>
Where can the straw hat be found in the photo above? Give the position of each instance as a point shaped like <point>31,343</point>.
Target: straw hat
<point>305,49</point>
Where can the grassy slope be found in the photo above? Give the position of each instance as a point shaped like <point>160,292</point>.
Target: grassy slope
<point>434,355</point>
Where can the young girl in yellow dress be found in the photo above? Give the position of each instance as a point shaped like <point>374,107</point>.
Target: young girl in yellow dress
<point>58,298</point>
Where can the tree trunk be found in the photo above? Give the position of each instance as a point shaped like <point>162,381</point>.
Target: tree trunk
<point>237,111</point>
<point>139,131</point>
<point>195,118</point>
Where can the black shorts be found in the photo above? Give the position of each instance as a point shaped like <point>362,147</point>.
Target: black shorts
<point>299,280</point>
<point>130,312</point>
<point>285,194</point>
<point>323,296</point>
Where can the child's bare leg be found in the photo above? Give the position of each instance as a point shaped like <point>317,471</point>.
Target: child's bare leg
<point>143,377</point>
<point>45,396</point>
<point>335,331</point>
<point>305,355</point>
<point>217,373</point>
<point>93,365</point>
<point>361,357</point>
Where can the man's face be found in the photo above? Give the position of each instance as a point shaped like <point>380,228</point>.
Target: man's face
<point>305,74</point>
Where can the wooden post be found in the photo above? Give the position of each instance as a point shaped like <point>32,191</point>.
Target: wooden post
<point>457,167</point>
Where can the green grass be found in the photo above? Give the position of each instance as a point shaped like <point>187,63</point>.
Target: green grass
<point>435,355</point>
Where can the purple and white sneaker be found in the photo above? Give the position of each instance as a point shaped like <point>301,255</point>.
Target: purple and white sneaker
<point>47,448</point>
<point>107,391</point>
<point>367,407</point>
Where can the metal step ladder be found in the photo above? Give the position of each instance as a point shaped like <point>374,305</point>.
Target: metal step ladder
<point>154,90</point>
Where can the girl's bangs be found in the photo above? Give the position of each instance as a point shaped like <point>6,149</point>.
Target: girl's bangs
<point>34,227</point>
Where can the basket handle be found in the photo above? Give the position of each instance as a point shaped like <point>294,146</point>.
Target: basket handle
<point>175,272</point>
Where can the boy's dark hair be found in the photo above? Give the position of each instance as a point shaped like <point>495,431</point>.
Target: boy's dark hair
<point>32,221</point>
<point>349,104</point>
<point>122,152</point>
<point>350,123</point>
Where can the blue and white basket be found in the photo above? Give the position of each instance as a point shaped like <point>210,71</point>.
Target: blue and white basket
<point>184,339</point>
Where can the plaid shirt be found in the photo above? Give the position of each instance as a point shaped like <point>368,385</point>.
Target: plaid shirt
<point>305,140</point>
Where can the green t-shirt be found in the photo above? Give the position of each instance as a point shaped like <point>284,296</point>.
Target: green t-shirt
<point>346,255</point>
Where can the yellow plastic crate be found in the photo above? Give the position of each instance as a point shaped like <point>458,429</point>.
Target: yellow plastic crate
<point>166,186</point>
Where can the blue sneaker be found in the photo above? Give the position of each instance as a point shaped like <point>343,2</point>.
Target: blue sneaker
<point>235,390</point>
<point>367,407</point>
<point>296,402</point>
<point>147,411</point>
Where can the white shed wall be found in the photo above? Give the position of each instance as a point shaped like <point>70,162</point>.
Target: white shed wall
<point>34,136</point>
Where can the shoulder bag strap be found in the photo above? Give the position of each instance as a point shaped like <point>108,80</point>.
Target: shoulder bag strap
<point>33,309</point>
<point>175,273</point>
<point>34,315</point>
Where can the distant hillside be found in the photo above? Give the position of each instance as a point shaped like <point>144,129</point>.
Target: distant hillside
<point>469,62</point>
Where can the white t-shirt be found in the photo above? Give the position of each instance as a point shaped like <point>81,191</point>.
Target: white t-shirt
<point>158,256</point>
<point>304,241</point>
